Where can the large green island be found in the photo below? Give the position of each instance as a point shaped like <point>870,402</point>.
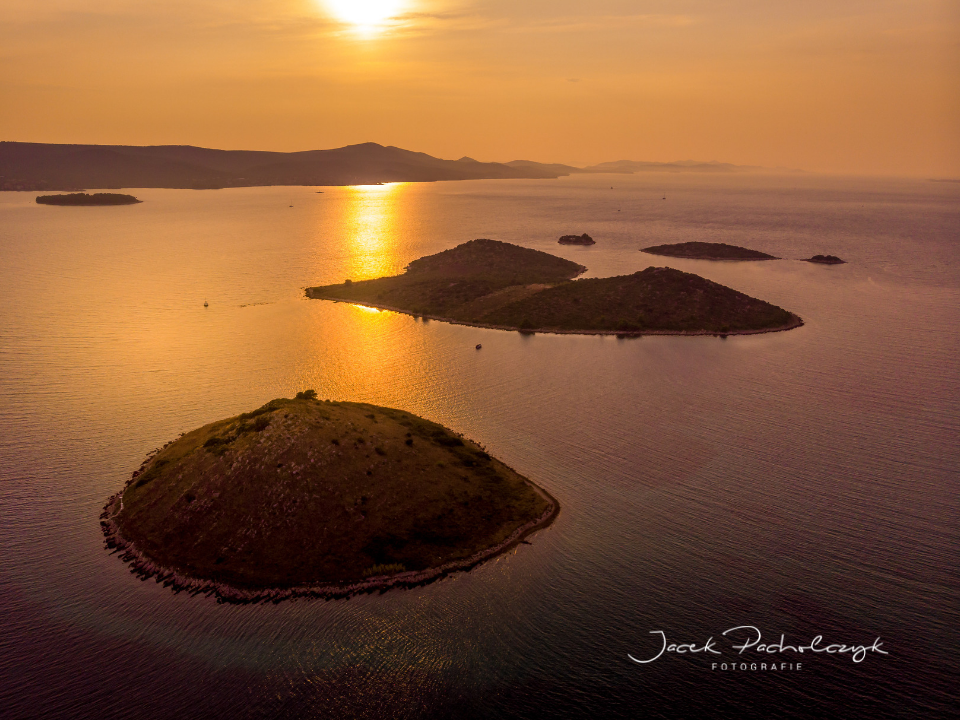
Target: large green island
<point>85,200</point>
<point>309,498</point>
<point>708,251</point>
<point>492,284</point>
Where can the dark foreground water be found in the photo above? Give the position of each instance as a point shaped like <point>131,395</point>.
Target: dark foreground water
<point>805,483</point>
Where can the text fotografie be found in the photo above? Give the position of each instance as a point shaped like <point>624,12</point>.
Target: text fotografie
<point>751,636</point>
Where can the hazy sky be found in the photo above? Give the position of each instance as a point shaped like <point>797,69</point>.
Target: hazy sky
<point>861,86</point>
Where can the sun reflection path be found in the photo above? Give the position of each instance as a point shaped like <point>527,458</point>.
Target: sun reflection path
<point>372,220</point>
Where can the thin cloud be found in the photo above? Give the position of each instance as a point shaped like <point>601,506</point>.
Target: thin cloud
<point>604,22</point>
<point>459,22</point>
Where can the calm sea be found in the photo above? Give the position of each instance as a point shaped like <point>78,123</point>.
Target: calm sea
<point>805,483</point>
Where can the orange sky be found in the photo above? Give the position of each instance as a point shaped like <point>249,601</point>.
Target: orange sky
<point>853,86</point>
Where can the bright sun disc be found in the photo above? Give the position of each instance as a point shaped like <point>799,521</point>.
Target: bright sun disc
<point>365,13</point>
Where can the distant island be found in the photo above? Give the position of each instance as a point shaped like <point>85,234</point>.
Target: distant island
<point>85,199</point>
<point>43,167</point>
<point>826,260</point>
<point>493,284</point>
<point>577,240</point>
<point>707,251</point>
<point>315,498</point>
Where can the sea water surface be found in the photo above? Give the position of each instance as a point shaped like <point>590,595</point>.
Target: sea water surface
<point>804,482</point>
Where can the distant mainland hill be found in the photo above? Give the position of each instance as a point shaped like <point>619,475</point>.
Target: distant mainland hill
<point>40,166</point>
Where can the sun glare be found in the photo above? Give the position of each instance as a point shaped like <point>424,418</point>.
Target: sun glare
<point>365,15</point>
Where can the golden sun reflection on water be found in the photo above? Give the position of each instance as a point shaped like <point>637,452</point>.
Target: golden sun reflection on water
<point>371,218</point>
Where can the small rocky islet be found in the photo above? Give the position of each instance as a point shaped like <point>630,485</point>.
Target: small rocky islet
<point>493,284</point>
<point>826,260</point>
<point>85,200</point>
<point>311,498</point>
<point>707,251</point>
<point>576,240</point>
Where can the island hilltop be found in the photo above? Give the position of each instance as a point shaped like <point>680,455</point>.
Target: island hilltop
<point>316,498</point>
<point>707,251</point>
<point>83,199</point>
<point>497,285</point>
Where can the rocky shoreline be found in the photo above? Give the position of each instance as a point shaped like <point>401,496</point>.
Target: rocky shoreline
<point>145,568</point>
<point>796,322</point>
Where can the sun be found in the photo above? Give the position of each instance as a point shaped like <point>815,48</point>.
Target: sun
<point>365,14</point>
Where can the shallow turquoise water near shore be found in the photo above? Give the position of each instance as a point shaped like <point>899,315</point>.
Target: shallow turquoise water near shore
<point>804,482</point>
